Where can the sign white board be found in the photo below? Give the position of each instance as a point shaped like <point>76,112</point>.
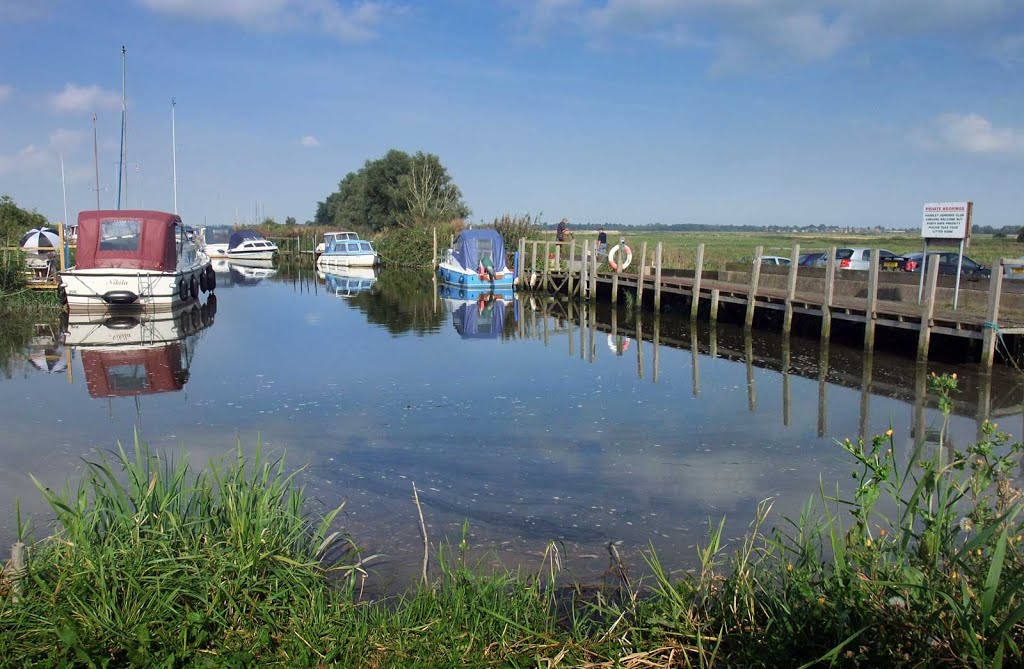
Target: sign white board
<point>946,220</point>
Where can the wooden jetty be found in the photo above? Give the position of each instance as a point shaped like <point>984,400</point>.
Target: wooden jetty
<point>874,298</point>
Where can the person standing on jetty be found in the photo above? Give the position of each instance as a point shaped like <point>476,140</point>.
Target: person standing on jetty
<point>602,242</point>
<point>562,229</point>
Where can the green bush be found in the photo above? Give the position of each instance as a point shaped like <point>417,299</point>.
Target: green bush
<point>411,247</point>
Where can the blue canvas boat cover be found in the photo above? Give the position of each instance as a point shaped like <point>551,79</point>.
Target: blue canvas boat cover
<point>481,319</point>
<point>242,235</point>
<point>472,245</point>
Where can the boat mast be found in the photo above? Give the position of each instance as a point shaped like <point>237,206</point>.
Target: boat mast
<point>174,159</point>
<point>64,188</point>
<point>122,174</point>
<point>96,160</point>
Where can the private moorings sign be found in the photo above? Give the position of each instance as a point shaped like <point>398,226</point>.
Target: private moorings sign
<point>946,220</point>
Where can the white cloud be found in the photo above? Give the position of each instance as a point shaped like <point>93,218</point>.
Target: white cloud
<point>63,140</point>
<point>804,30</point>
<point>29,159</point>
<point>76,98</point>
<point>6,91</point>
<point>352,22</point>
<point>970,133</point>
<point>309,141</point>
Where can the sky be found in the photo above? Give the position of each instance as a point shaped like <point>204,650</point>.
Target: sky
<point>618,112</point>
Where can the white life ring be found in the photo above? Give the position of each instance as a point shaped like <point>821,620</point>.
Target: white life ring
<point>613,347</point>
<point>615,251</point>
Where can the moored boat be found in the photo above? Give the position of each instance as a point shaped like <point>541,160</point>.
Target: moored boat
<point>134,258</point>
<point>345,249</point>
<point>477,260</point>
<point>244,244</point>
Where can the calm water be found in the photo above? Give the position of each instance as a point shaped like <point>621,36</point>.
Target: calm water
<point>526,420</point>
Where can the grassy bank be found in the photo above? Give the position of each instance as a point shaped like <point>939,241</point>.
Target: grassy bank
<point>153,563</point>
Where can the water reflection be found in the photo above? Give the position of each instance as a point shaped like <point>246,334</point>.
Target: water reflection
<point>402,302</point>
<point>480,314</point>
<point>348,281</point>
<point>981,396</point>
<point>242,272</point>
<point>125,355</point>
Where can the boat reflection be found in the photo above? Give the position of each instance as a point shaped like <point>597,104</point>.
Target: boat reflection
<point>242,272</point>
<point>138,354</point>
<point>348,281</point>
<point>479,314</point>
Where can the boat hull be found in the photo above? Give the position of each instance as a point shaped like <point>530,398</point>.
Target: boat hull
<point>347,259</point>
<point>459,277</point>
<point>99,289</point>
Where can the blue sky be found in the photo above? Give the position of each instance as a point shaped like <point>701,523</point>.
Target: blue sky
<point>845,112</point>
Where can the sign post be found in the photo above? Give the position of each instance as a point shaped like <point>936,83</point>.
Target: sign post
<point>942,221</point>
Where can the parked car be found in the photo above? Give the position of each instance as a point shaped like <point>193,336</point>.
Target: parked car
<point>913,262</point>
<point>775,260</point>
<point>813,259</point>
<point>860,258</point>
<point>1014,271</point>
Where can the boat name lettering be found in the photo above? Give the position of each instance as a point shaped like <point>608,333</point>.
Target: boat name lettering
<point>119,282</point>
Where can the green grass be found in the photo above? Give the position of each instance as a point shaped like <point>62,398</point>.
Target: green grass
<point>152,563</point>
<point>680,248</point>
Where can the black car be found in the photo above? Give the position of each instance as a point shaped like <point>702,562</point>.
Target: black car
<point>912,262</point>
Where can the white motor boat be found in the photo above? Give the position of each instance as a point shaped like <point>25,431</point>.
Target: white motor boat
<point>137,258</point>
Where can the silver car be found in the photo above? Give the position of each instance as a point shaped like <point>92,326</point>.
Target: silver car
<point>860,258</point>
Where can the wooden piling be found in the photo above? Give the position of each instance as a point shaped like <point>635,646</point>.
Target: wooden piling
<point>698,271</point>
<point>657,277</point>
<point>871,310</point>
<point>558,255</point>
<point>18,569</point>
<point>572,258</point>
<point>522,262</point>
<point>593,271</point>
<point>794,266</point>
<point>830,286</point>
<point>927,311</point>
<point>584,272</point>
<point>990,335</point>
<point>640,276</point>
<point>433,250</point>
<point>714,305</point>
<point>755,277</point>
<point>545,281</point>
<point>533,265</point>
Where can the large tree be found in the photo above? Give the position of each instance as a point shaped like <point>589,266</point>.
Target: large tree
<point>397,190</point>
<point>15,221</point>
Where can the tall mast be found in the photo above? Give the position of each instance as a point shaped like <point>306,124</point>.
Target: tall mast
<point>174,159</point>
<point>96,159</point>
<point>64,188</point>
<point>122,174</point>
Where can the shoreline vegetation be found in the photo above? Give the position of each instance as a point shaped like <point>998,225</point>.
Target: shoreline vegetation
<point>151,562</point>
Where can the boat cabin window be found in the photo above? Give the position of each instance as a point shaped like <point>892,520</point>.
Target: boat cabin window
<point>365,246</point>
<point>353,248</point>
<point>123,235</point>
<point>127,378</point>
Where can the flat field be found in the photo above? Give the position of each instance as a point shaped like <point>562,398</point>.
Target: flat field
<point>680,248</point>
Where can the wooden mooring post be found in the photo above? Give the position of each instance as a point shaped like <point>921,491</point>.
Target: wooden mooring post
<point>794,266</point>
<point>433,251</point>
<point>755,277</point>
<point>990,335</point>
<point>657,277</point>
<point>572,258</point>
<point>830,286</point>
<point>522,262</point>
<point>18,569</point>
<point>640,276</point>
<point>927,311</point>
<point>714,305</point>
<point>593,269</point>
<point>545,281</point>
<point>698,271</point>
<point>871,310</point>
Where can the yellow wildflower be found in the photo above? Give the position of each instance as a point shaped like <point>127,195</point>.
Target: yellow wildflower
<point>888,432</point>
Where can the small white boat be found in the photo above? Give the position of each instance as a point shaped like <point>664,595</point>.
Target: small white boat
<point>137,258</point>
<point>244,244</point>
<point>330,237</point>
<point>345,249</point>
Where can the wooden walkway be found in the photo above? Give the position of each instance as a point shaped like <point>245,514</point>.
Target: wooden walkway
<point>564,268</point>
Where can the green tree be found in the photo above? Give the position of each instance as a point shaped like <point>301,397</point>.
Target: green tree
<point>397,190</point>
<point>15,221</point>
<point>290,220</point>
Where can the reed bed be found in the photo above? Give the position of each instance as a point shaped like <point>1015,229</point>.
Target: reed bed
<point>153,563</point>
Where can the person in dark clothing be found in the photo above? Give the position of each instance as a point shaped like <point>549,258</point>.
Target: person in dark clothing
<point>562,229</point>
<point>602,241</point>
